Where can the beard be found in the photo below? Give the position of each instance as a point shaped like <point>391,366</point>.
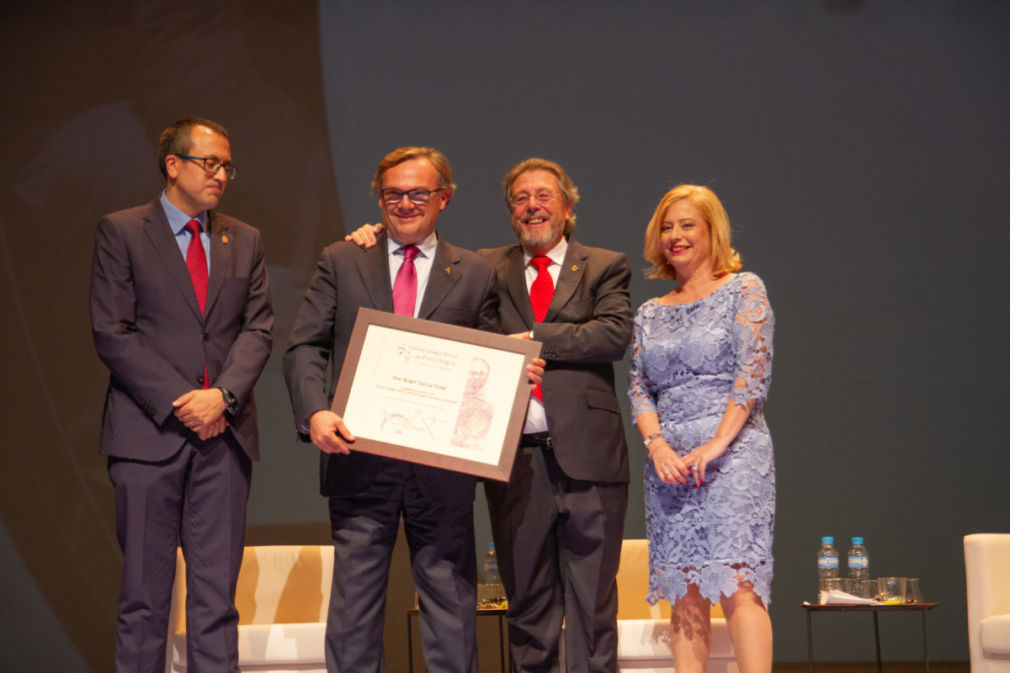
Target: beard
<point>544,237</point>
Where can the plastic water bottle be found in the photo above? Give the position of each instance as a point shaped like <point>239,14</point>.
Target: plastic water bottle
<point>859,560</point>
<point>490,590</point>
<point>827,565</point>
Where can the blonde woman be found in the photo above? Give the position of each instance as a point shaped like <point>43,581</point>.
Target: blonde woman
<point>701,368</point>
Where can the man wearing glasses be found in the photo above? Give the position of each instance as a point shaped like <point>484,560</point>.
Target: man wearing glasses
<point>181,316</point>
<point>559,520</point>
<point>412,271</point>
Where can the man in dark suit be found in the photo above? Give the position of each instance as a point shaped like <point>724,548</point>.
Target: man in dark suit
<point>369,494</point>
<point>559,520</point>
<point>185,334</point>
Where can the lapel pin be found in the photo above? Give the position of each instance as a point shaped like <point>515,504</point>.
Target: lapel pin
<point>448,270</point>
<point>575,267</point>
<point>224,239</point>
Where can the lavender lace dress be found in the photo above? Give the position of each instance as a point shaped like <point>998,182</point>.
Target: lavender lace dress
<point>687,361</point>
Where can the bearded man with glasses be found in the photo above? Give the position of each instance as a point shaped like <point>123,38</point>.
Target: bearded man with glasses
<point>559,520</point>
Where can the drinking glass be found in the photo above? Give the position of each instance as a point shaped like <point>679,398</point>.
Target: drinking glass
<point>891,590</point>
<point>840,584</point>
<point>866,588</point>
<point>912,592</point>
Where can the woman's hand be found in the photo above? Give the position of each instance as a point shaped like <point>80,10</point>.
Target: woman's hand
<point>696,461</point>
<point>670,468</point>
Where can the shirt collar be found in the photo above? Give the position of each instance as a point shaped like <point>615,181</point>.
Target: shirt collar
<point>177,219</point>
<point>557,253</point>
<point>425,247</point>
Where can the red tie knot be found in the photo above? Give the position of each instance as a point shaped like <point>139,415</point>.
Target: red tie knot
<point>409,253</point>
<point>194,227</point>
<point>541,262</point>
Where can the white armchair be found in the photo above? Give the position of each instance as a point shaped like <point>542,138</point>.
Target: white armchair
<point>644,631</point>
<point>282,597</point>
<point>987,573</point>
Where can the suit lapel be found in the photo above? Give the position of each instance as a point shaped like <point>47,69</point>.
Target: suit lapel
<point>515,283</point>
<point>373,265</point>
<point>572,270</point>
<point>221,247</point>
<point>160,234</point>
<point>443,276</point>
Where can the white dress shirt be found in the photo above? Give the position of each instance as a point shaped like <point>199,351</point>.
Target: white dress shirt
<point>536,417</point>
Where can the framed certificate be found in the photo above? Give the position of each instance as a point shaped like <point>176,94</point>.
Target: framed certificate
<point>435,394</point>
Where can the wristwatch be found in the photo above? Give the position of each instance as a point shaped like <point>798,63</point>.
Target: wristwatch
<point>229,400</point>
<point>648,440</point>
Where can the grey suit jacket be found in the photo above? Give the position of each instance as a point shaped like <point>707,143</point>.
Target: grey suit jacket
<point>149,332</point>
<point>587,328</point>
<point>460,291</point>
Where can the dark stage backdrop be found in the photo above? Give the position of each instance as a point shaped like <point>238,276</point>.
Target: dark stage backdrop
<point>862,149</point>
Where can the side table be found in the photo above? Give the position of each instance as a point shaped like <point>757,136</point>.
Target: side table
<point>921,608</point>
<point>499,613</point>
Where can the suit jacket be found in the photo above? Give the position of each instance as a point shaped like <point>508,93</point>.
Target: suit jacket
<point>587,327</point>
<point>460,291</point>
<point>149,332</point>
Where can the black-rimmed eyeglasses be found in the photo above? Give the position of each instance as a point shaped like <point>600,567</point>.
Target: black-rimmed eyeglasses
<point>419,196</point>
<point>213,164</point>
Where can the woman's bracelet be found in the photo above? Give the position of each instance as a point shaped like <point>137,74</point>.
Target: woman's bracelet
<point>654,436</point>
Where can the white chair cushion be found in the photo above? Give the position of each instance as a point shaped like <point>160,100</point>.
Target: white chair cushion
<point>649,639</point>
<point>994,635</point>
<point>643,639</point>
<point>274,647</point>
<point>268,644</point>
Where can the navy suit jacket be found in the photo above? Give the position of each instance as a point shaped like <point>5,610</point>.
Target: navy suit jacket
<point>149,332</point>
<point>587,328</point>
<point>460,291</point>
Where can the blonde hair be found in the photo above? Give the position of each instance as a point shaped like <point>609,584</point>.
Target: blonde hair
<point>401,154</point>
<point>569,192</point>
<point>724,258</point>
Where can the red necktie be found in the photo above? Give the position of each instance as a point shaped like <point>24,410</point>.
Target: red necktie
<point>541,294</point>
<point>405,286</point>
<point>196,262</point>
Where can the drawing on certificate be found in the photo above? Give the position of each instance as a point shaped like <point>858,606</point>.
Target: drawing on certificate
<point>475,413</point>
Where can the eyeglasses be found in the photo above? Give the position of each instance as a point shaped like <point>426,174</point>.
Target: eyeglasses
<point>418,196</point>
<point>213,164</point>
<point>544,196</point>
